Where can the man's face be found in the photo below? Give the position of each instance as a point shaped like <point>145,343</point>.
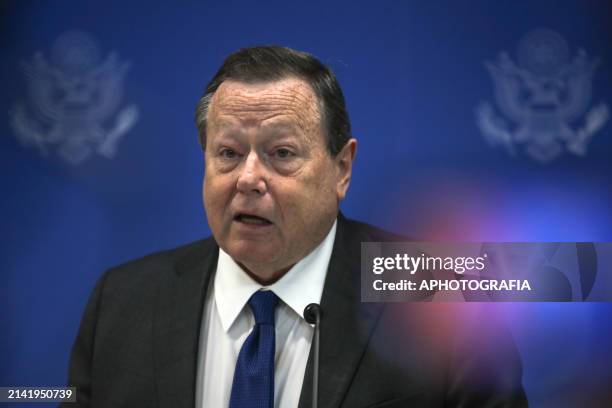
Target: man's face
<point>271,188</point>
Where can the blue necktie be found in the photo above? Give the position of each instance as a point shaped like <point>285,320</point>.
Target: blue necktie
<point>253,385</point>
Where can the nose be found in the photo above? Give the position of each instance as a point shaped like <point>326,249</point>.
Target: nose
<point>251,179</point>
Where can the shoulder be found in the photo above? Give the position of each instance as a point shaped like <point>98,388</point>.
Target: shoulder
<point>147,271</point>
<point>367,232</point>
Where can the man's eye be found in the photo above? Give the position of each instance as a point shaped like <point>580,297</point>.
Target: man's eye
<point>283,153</point>
<point>228,153</point>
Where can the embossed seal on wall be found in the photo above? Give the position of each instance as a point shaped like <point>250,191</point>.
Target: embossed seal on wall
<point>543,99</point>
<point>73,101</point>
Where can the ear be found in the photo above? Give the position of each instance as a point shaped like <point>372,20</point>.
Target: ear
<point>344,165</point>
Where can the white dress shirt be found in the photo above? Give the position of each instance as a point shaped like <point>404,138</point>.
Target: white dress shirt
<point>227,322</point>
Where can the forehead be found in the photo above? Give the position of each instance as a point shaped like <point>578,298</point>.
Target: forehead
<point>286,102</point>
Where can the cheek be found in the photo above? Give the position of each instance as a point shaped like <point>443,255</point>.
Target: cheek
<point>216,191</point>
<point>309,199</point>
<point>324,185</point>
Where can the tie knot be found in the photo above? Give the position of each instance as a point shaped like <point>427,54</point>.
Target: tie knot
<point>263,303</point>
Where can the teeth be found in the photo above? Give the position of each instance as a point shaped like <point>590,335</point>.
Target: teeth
<point>253,220</point>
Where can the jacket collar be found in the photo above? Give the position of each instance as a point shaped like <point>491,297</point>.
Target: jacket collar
<point>176,326</point>
<point>346,323</point>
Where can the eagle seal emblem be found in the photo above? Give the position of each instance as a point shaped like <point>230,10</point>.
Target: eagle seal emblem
<point>73,100</point>
<point>543,98</point>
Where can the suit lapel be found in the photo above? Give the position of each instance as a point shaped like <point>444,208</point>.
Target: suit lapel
<point>346,323</point>
<point>177,321</point>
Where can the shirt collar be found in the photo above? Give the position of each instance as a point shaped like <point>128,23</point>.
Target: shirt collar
<point>300,286</point>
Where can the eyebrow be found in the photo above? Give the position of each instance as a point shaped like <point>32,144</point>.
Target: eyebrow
<point>278,131</point>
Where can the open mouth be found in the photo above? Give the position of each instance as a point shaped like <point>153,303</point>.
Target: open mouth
<point>251,219</point>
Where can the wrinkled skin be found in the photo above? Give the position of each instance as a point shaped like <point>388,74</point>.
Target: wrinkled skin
<point>271,187</point>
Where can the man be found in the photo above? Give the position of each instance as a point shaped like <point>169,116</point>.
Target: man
<point>220,322</point>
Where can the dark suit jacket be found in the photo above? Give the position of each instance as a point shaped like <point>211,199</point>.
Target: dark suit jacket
<point>138,341</point>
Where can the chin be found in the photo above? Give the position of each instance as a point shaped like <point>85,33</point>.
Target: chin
<point>252,252</point>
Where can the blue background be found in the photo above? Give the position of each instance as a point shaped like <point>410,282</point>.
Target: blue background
<point>412,72</point>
